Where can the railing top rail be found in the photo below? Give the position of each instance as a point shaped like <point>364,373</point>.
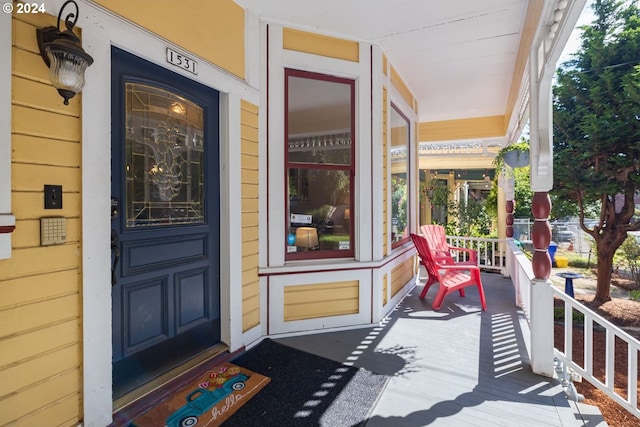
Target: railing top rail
<point>619,332</point>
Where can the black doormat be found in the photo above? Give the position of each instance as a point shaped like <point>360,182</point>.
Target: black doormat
<point>305,390</point>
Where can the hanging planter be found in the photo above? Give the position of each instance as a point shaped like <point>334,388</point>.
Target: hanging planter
<point>517,158</point>
<point>514,155</point>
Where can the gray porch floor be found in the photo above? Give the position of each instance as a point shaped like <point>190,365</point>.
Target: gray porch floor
<point>455,367</point>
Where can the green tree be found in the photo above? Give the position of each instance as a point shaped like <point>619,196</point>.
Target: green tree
<point>597,129</point>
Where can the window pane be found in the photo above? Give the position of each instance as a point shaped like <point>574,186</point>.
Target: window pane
<point>319,210</point>
<point>318,121</point>
<point>319,165</point>
<point>399,176</point>
<point>164,158</point>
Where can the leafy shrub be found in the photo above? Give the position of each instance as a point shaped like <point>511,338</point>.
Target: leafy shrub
<point>630,258</point>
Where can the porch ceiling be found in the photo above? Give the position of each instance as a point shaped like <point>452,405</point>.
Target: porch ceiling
<point>462,59</point>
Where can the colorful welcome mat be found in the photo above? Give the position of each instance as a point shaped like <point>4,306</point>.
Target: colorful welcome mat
<point>207,401</point>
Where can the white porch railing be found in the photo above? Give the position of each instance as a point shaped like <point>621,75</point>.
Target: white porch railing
<point>521,273</point>
<point>491,252</point>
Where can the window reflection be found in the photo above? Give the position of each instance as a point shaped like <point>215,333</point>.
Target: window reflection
<point>399,176</point>
<point>320,166</point>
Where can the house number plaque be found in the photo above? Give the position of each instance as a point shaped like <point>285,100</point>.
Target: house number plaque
<point>182,61</point>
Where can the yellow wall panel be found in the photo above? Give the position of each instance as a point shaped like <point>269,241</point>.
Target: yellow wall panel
<point>39,95</point>
<point>36,288</point>
<point>44,123</point>
<point>249,118</point>
<point>250,262</point>
<point>384,64</point>
<point>24,29</point>
<point>249,161</point>
<point>248,107</point>
<point>19,348</point>
<point>30,177</point>
<point>249,193</point>
<point>250,319</point>
<point>249,219</point>
<point>314,310</point>
<point>252,285</point>
<point>63,412</point>
<point>321,300</point>
<point>250,234</point>
<point>250,190</point>
<point>385,289</point>
<point>249,176</point>
<point>29,65</point>
<point>31,399</point>
<point>39,315</point>
<point>213,30</point>
<point>250,248</point>
<point>478,127</point>
<point>31,205</point>
<point>43,151</point>
<point>33,371</point>
<point>249,139</point>
<point>317,44</point>
<point>400,276</point>
<point>250,205</point>
<point>40,303</point>
<point>50,259</point>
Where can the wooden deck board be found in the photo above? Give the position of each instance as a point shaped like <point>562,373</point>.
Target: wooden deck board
<point>457,366</point>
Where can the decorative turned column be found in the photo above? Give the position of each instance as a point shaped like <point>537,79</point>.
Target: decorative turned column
<point>510,208</point>
<point>541,235</point>
<point>541,297</point>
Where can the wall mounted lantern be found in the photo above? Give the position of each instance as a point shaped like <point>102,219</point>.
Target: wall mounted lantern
<point>63,54</point>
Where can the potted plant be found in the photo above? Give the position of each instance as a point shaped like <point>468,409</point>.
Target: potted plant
<point>515,155</point>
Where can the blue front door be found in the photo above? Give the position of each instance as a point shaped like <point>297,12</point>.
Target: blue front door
<point>165,220</point>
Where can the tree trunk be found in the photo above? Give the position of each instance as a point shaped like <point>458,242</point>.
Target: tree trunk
<point>605,267</point>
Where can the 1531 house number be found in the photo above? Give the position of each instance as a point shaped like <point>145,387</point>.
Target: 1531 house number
<point>182,61</point>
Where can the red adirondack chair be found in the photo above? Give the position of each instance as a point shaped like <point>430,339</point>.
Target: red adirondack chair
<point>451,277</point>
<point>441,250</point>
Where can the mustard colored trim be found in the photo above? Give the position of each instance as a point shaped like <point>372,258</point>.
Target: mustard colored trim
<point>332,47</point>
<point>534,12</point>
<point>477,127</point>
<point>399,84</point>
<point>384,64</point>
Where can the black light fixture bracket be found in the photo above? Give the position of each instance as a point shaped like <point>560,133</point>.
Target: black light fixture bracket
<point>63,42</point>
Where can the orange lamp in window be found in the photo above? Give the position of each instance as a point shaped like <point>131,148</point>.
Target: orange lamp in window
<point>307,237</point>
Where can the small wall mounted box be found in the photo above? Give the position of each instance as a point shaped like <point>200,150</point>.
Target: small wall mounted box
<point>53,231</point>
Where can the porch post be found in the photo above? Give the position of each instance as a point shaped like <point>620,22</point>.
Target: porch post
<point>541,143</point>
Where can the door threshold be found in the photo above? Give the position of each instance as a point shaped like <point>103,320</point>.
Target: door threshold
<point>135,402</point>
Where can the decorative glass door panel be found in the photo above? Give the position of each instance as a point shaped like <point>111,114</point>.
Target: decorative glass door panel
<point>164,158</point>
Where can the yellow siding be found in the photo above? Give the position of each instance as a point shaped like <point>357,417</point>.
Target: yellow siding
<point>249,189</point>
<point>400,276</point>
<point>317,44</point>
<point>302,302</point>
<point>399,84</point>
<point>385,173</point>
<point>384,64</point>
<point>385,289</point>
<point>213,30</point>
<point>478,127</point>
<point>40,305</point>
